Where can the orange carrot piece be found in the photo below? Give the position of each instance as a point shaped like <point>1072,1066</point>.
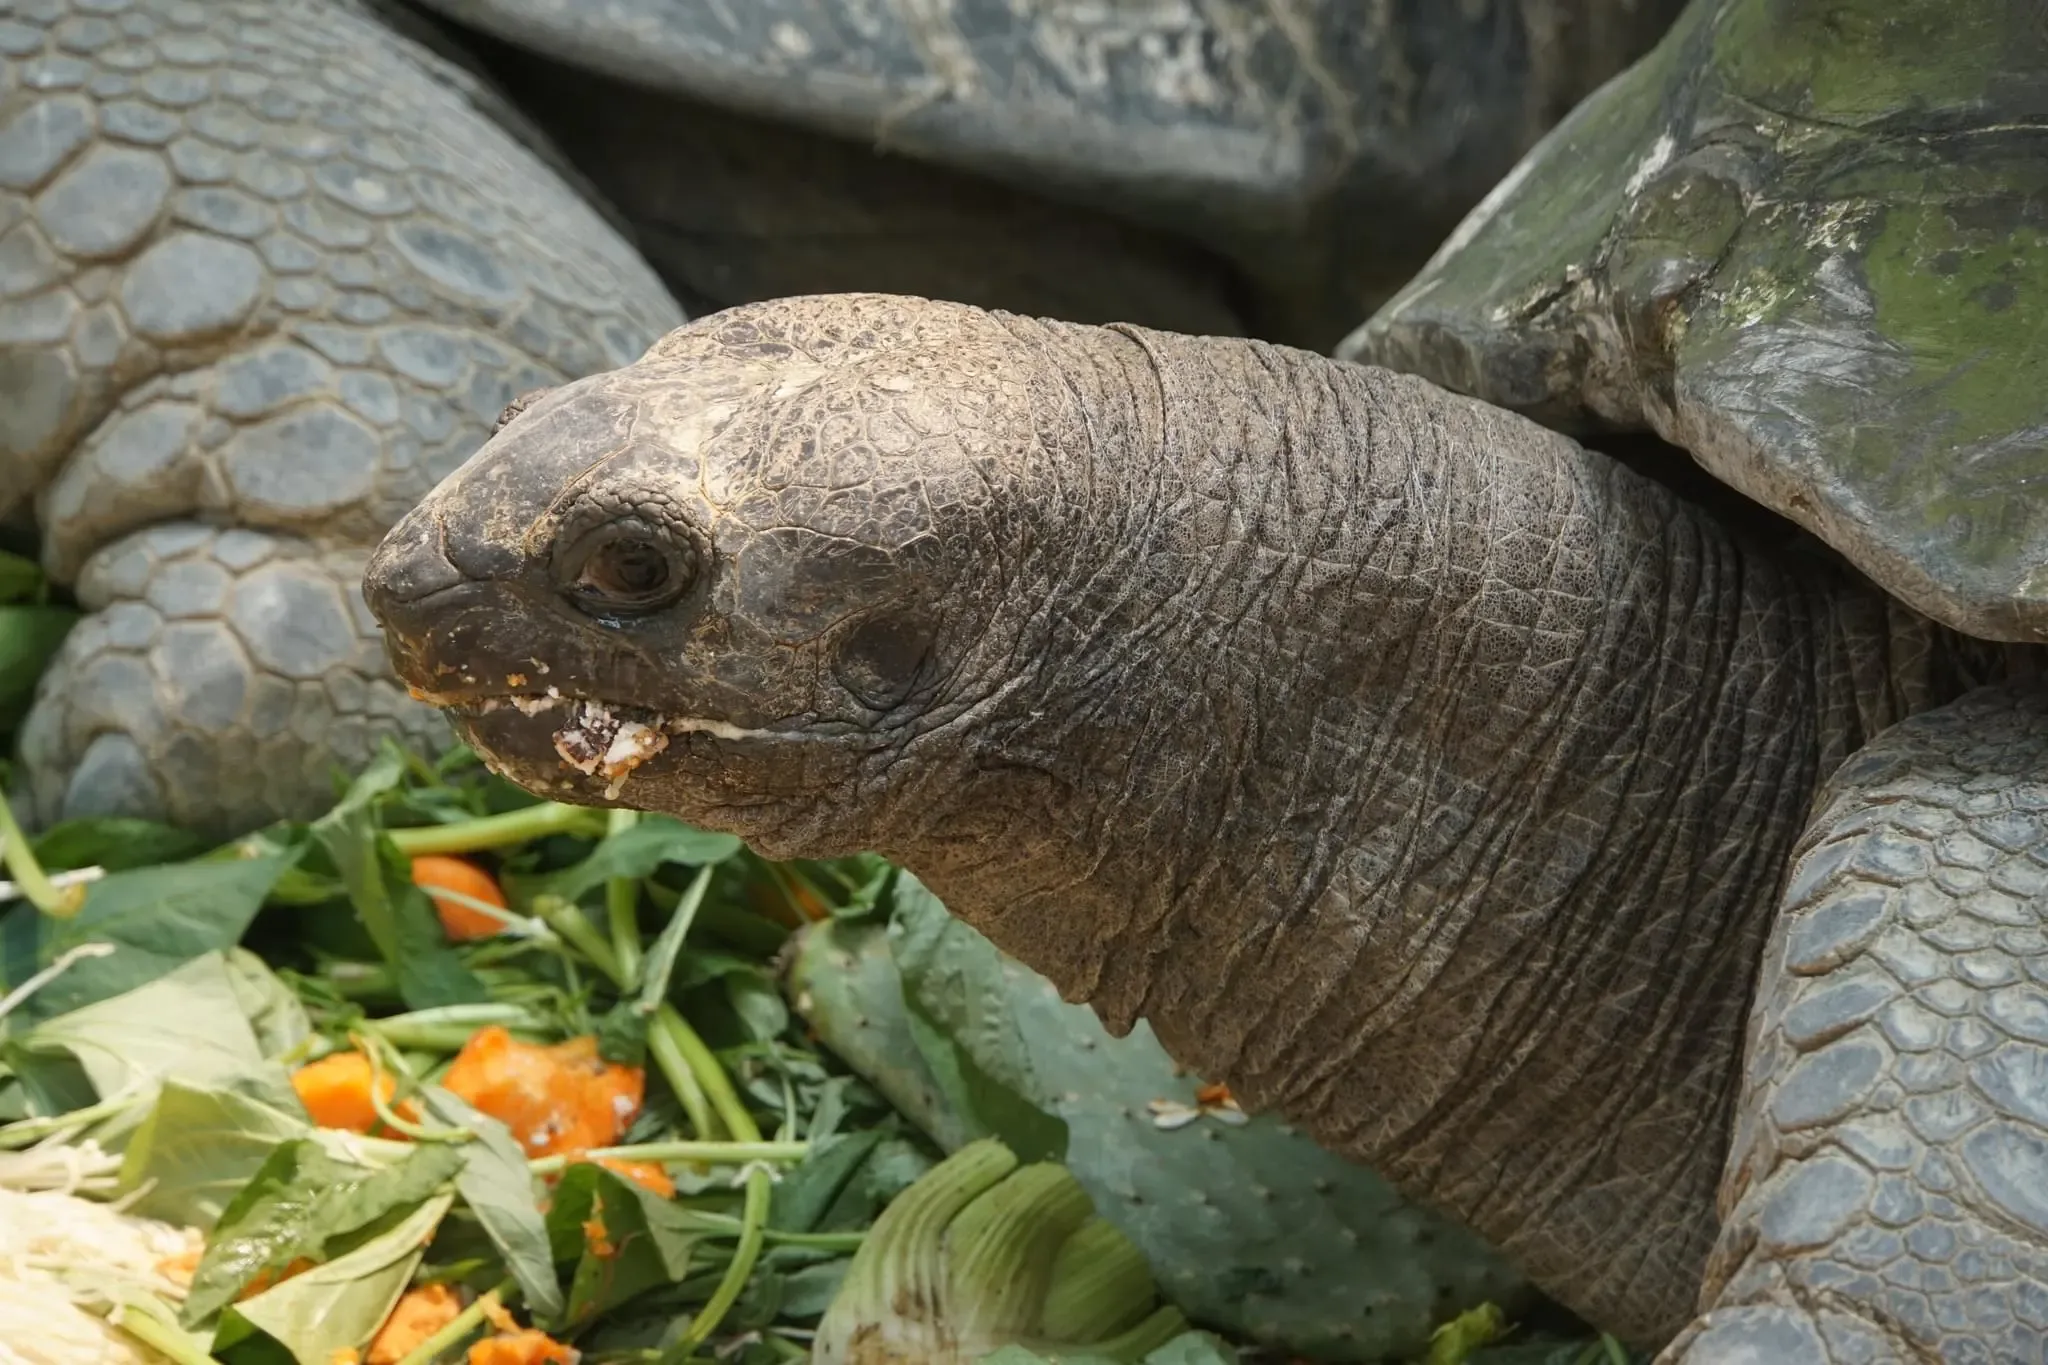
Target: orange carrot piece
<point>526,1347</point>
<point>418,1314</point>
<point>433,872</point>
<point>556,1100</point>
<point>336,1091</point>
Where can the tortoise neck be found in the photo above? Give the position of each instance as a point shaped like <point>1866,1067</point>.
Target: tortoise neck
<point>1420,774</point>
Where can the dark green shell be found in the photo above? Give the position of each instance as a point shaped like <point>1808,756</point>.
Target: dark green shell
<point>1806,240</point>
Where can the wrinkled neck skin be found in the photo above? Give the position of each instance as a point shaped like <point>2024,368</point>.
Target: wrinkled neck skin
<point>1418,773</point>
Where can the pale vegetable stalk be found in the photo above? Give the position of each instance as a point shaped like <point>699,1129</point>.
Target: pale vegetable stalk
<point>982,1253</point>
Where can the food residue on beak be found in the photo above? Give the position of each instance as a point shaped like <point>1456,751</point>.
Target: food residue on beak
<point>598,742</point>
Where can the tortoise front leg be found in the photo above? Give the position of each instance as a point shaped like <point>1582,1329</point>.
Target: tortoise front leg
<point>1886,1196</point>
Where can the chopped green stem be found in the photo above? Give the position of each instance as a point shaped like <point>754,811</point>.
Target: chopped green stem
<point>512,922</point>
<point>20,994</point>
<point>24,1132</point>
<point>360,980</point>
<point>784,1349</point>
<point>717,1085</point>
<point>380,1053</point>
<point>815,1241</point>
<point>497,831</point>
<point>160,1336</point>
<point>29,877</point>
<point>62,881</point>
<point>474,1015</point>
<point>443,1039</point>
<point>754,1211</point>
<point>461,1325</point>
<point>710,1153</point>
<point>579,933</point>
<point>753,1233</point>
<point>447,1027</point>
<point>622,907</point>
<point>675,1069</point>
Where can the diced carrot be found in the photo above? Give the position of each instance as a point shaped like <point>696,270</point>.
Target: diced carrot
<point>649,1175</point>
<point>790,903</point>
<point>266,1280</point>
<point>526,1347</point>
<point>418,1314</point>
<point>180,1269</point>
<point>556,1100</point>
<point>345,1355</point>
<point>497,1315</point>
<point>336,1092</point>
<point>433,872</point>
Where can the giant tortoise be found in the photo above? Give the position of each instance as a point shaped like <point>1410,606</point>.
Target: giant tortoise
<point>1663,898</point>
<point>269,268</point>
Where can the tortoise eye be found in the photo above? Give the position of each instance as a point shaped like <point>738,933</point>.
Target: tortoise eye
<point>628,568</point>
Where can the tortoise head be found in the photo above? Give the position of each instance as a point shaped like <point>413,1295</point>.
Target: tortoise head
<point>749,579</point>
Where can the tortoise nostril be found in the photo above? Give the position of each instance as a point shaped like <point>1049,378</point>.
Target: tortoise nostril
<point>406,568</point>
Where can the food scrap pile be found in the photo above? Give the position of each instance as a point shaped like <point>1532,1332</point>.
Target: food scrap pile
<point>452,1074</point>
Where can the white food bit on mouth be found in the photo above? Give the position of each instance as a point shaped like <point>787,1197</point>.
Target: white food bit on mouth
<point>633,745</point>
<point>717,729</point>
<point>599,743</point>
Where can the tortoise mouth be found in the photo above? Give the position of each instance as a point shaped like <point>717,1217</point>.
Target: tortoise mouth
<point>604,741</point>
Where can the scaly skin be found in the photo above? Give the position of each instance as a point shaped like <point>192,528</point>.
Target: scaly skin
<point>1427,778</point>
<point>1887,1193</point>
<point>266,274</point>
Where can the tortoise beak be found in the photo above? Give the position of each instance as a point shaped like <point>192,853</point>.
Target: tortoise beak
<point>411,588</point>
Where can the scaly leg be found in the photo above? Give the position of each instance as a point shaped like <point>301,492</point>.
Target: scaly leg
<point>1886,1197</point>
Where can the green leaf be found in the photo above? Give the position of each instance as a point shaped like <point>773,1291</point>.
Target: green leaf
<point>660,960</point>
<point>157,918</point>
<point>634,852</point>
<point>1453,1342</point>
<point>197,1148</point>
<point>21,578</point>
<point>802,1196</point>
<point>274,1010</point>
<point>336,1306</point>
<point>499,1188</point>
<point>114,842</point>
<point>861,882</point>
<point>808,1292</point>
<point>647,1241</point>
<point>297,1205</point>
<point>397,914</point>
<point>622,1034</point>
<point>187,1026</point>
<point>29,638</point>
<point>759,1006</point>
